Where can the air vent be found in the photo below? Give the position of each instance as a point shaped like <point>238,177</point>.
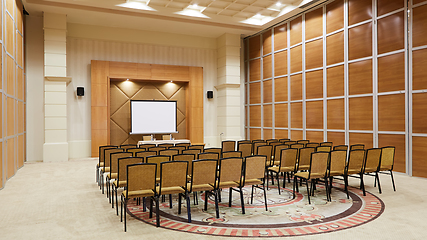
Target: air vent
<point>308,4</point>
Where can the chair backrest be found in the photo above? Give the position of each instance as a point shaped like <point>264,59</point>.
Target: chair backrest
<point>145,154</point>
<point>169,152</point>
<point>245,148</point>
<point>101,152</point>
<point>140,177</point>
<point>319,164</point>
<point>290,142</point>
<point>338,161</point>
<point>305,155</point>
<point>165,145</point>
<point>203,172</point>
<point>107,155</point>
<point>243,141</point>
<point>210,155</point>
<point>341,147</point>
<point>373,158</point>
<point>355,160</point>
<point>387,157</point>
<point>278,151</point>
<point>156,149</point>
<point>228,146</point>
<point>213,150</point>
<point>122,166</point>
<point>254,167</point>
<point>173,174</point>
<point>179,148</point>
<point>114,160</point>
<point>231,154</point>
<point>185,157</point>
<point>157,160</point>
<point>147,146</point>
<point>166,137</point>
<point>326,144</point>
<point>297,145</point>
<point>288,158</point>
<point>312,144</point>
<point>126,146</point>
<point>191,151</point>
<point>230,169</point>
<point>135,150</point>
<point>265,150</point>
<point>255,147</point>
<point>146,138</point>
<point>142,148</point>
<point>199,147</point>
<point>182,145</point>
<point>357,146</point>
<point>303,141</point>
<point>323,149</point>
<point>284,140</point>
<point>258,140</point>
<point>268,141</point>
<point>274,144</point>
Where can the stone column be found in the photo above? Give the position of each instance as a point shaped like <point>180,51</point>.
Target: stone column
<point>55,147</point>
<point>228,88</point>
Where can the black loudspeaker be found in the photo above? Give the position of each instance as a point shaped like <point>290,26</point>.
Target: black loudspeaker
<point>80,91</point>
<point>210,94</point>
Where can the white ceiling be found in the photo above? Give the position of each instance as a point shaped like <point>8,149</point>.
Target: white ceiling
<point>213,18</point>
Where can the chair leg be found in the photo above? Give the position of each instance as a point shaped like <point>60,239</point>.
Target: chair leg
<point>144,205</point>
<point>265,197</point>
<point>102,182</point>
<point>112,195</point>
<point>278,184</point>
<point>121,208</point>
<point>151,207</point>
<point>268,172</point>
<point>252,195</point>
<point>284,180</point>
<point>179,202</point>
<point>362,184</point>
<point>157,212</point>
<point>107,181</point>
<point>187,197</point>
<point>378,179</point>
<point>194,198</point>
<point>216,203</point>
<point>346,185</point>
<point>229,197</point>
<point>308,190</point>
<point>293,187</point>
<point>97,173</point>
<point>206,200</point>
<point>125,213</point>
<point>242,202</point>
<point>392,180</point>
<point>328,199</point>
<point>170,200</point>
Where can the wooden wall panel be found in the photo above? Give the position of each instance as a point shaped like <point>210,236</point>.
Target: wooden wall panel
<point>280,133</point>
<point>296,59</point>
<point>281,89</point>
<point>280,37</point>
<point>336,114</point>
<point>296,87</point>
<point>144,71</point>
<point>255,133</point>
<point>9,32</point>
<point>360,41</point>
<point>255,70</point>
<point>296,115</point>
<point>1,122</point>
<point>1,165</point>
<point>268,115</point>
<point>419,113</point>
<point>419,72</point>
<point>10,117</point>
<point>391,112</point>
<point>419,23</point>
<point>10,76</point>
<point>266,42</point>
<point>11,168</point>
<point>397,141</point>
<point>314,113</point>
<point>20,157</point>
<point>334,16</point>
<point>268,91</point>
<point>268,134</point>
<point>360,77</point>
<point>296,31</point>
<point>314,24</point>
<point>20,116</point>
<point>19,47</point>
<point>296,135</point>
<point>281,63</point>
<point>255,116</point>
<point>255,93</point>
<point>419,153</point>
<point>314,54</point>
<point>361,116</point>
<point>335,48</point>
<point>362,138</point>
<point>417,1</point>
<point>255,47</point>
<point>20,91</point>
<point>335,81</point>
<point>338,138</point>
<point>391,73</point>
<point>391,33</point>
<point>386,6</point>
<point>314,136</point>
<point>314,84</point>
<point>267,67</point>
<point>359,10</point>
<point>281,115</point>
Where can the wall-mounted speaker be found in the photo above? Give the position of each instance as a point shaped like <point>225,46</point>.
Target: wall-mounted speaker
<point>80,91</point>
<point>210,94</point>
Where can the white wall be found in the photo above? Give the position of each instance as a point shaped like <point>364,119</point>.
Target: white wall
<point>34,90</point>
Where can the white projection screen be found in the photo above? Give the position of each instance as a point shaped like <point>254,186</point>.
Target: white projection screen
<point>153,117</point>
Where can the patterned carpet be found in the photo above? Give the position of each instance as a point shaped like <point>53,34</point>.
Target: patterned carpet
<point>285,216</point>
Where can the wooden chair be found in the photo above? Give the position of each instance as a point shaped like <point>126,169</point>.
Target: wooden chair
<point>147,146</point>
<point>158,159</point>
<point>341,147</point>
<point>145,154</point>
<point>282,140</point>
<point>169,152</point>
<point>372,166</point>
<point>266,150</point>
<point>230,175</point>
<point>329,144</point>
<point>211,155</point>
<point>303,141</point>
<point>199,147</point>
<point>165,145</point>
<point>141,182</point>
<point>203,177</point>
<point>186,145</point>
<point>135,150</point>
<point>126,146</point>
<point>357,146</point>
<point>188,158</point>
<point>114,168</point>
<point>290,142</point>
<point>304,156</point>
<point>323,149</point>
<point>156,149</point>
<point>355,164</point>
<point>106,167</point>
<point>232,154</point>
<point>274,144</point>
<point>268,141</point>
<point>318,169</point>
<point>228,146</point>
<point>179,148</point>
<point>256,145</point>
<point>297,145</point>
<point>277,153</point>
<point>312,144</point>
<point>287,164</point>
<point>214,150</point>
<point>245,148</point>
<point>387,162</point>
<point>191,151</point>
<point>337,167</point>
<point>101,161</point>
<point>254,175</point>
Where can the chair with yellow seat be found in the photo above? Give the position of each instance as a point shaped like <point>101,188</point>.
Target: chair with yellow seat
<point>169,152</point>
<point>312,144</point>
<point>120,182</point>
<point>157,159</point>
<point>282,140</point>
<point>268,141</point>
<point>114,166</point>
<point>173,180</point>
<point>211,155</point>
<point>156,149</point>
<point>304,158</point>
<point>318,169</point>
<point>228,146</point>
<point>297,145</point>
<point>145,154</point>
<point>213,150</point>
<point>106,167</point>
<point>266,150</point>
<point>191,151</point>
<point>277,153</point>
<point>357,146</point>
<point>355,163</point>
<point>198,146</point>
<point>101,160</point>
<point>287,164</point>
<point>290,142</point>
<point>258,140</point>
<point>179,148</point>
<point>273,145</point>
<point>372,166</point>
<point>341,147</point>
<point>186,145</point>
<point>147,146</point>
<point>166,137</point>
<point>140,182</point>
<point>323,149</point>
<point>329,144</point>
<point>245,148</point>
<point>165,145</point>
<point>256,145</point>
<point>231,154</point>
<point>135,150</point>
<point>146,138</point>
<point>337,166</point>
<point>126,146</point>
<point>387,162</point>
<point>303,141</point>
<point>185,157</point>
<point>254,175</point>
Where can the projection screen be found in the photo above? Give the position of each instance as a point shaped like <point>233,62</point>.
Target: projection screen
<point>153,117</point>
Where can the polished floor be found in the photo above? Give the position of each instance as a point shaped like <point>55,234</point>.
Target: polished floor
<point>62,201</point>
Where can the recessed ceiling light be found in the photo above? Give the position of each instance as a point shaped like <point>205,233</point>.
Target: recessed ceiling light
<point>140,5</point>
<point>278,4</point>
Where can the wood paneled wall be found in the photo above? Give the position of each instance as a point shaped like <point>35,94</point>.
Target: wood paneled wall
<point>340,73</point>
<point>12,91</point>
<point>102,71</point>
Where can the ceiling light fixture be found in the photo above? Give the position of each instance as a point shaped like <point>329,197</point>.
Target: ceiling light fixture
<point>278,4</point>
<point>193,10</point>
<point>137,4</point>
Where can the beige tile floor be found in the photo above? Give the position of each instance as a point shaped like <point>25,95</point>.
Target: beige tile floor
<point>62,201</point>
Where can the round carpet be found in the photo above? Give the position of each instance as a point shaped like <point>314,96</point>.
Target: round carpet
<point>285,216</point>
